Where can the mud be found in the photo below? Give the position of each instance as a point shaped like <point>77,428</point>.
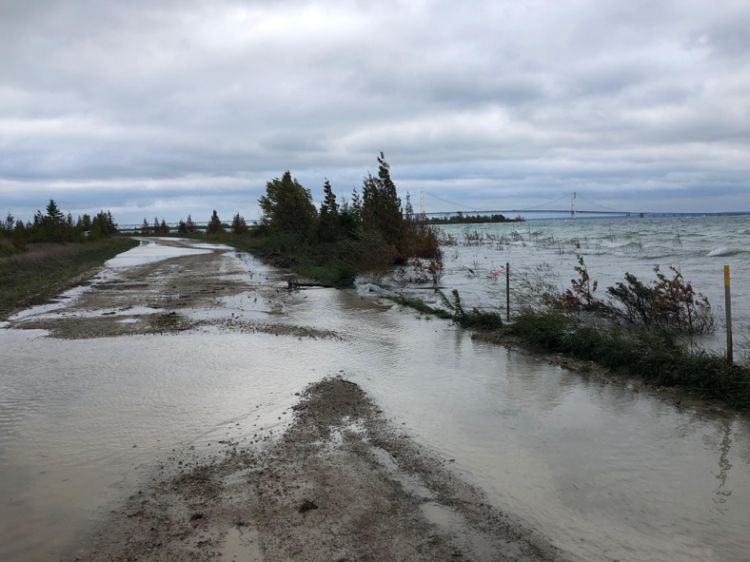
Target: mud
<point>172,295</point>
<point>341,483</point>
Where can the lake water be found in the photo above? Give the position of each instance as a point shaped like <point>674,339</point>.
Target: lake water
<point>606,472</point>
<point>546,251</point>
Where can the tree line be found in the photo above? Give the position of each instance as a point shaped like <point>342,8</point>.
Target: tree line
<point>55,226</point>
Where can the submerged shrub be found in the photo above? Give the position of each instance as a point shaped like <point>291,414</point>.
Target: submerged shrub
<point>669,303</point>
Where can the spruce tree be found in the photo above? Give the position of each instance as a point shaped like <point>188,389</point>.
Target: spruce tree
<point>54,214</point>
<point>239,226</point>
<point>287,206</point>
<point>328,220</point>
<point>381,206</point>
<point>214,225</point>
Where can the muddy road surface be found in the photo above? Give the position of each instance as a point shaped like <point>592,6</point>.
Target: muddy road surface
<point>340,484</point>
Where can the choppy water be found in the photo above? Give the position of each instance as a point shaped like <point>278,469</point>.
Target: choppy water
<point>605,472</point>
<point>545,251</point>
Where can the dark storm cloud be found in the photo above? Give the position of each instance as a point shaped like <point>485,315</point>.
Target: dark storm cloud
<point>175,107</point>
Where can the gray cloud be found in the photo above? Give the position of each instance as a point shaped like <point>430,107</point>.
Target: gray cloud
<point>174,107</point>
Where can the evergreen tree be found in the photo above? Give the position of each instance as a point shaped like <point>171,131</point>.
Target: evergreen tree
<point>163,228</point>
<point>54,214</point>
<point>328,220</point>
<point>356,205</point>
<point>287,206</point>
<point>214,225</point>
<point>182,227</point>
<point>381,206</point>
<point>145,228</point>
<point>189,224</point>
<point>239,226</point>
<point>19,232</point>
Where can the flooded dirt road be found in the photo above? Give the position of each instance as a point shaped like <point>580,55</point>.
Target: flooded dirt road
<point>177,356</point>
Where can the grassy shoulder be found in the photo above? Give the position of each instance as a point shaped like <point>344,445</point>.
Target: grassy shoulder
<point>44,270</point>
<point>650,356</point>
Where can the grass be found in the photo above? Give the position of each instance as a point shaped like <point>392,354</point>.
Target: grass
<point>421,306</point>
<point>472,319</point>
<point>651,356</point>
<point>45,270</point>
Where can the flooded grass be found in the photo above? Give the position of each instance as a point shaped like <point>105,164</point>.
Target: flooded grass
<point>46,269</point>
<point>651,356</point>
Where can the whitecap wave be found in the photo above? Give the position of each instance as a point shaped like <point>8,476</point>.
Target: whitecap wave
<point>724,251</point>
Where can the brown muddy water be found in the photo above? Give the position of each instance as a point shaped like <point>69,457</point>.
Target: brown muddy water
<point>604,471</point>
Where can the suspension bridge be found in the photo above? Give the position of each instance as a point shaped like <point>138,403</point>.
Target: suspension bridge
<point>555,208</point>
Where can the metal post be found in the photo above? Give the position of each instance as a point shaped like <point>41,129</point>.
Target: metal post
<point>507,292</point>
<point>728,308</point>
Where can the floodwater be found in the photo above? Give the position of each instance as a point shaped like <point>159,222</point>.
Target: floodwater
<point>544,253</point>
<point>607,473</point>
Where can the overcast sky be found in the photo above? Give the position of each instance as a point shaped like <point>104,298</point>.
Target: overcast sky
<point>167,108</point>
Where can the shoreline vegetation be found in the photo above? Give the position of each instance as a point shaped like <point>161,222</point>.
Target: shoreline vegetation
<point>643,331</point>
<point>370,232</point>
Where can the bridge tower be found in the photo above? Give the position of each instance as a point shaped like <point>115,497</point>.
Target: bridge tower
<point>573,205</point>
<point>421,203</point>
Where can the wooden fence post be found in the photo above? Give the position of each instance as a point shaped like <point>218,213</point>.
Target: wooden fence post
<point>728,308</point>
<point>507,291</point>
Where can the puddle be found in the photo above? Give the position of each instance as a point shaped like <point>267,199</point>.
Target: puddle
<point>149,252</point>
<point>241,545</point>
<point>65,299</point>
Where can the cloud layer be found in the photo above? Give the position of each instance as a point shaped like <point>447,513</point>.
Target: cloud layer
<point>174,107</point>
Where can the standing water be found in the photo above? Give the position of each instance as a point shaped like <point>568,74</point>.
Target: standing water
<point>544,254</point>
<point>607,473</point>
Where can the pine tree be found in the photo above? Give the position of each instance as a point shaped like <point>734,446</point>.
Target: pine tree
<point>189,224</point>
<point>54,214</point>
<point>381,206</point>
<point>328,220</point>
<point>239,226</point>
<point>287,206</point>
<point>145,228</point>
<point>214,225</point>
<point>182,227</point>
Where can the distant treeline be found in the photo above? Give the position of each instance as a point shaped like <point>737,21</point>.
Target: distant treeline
<point>460,218</point>
<point>53,226</point>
